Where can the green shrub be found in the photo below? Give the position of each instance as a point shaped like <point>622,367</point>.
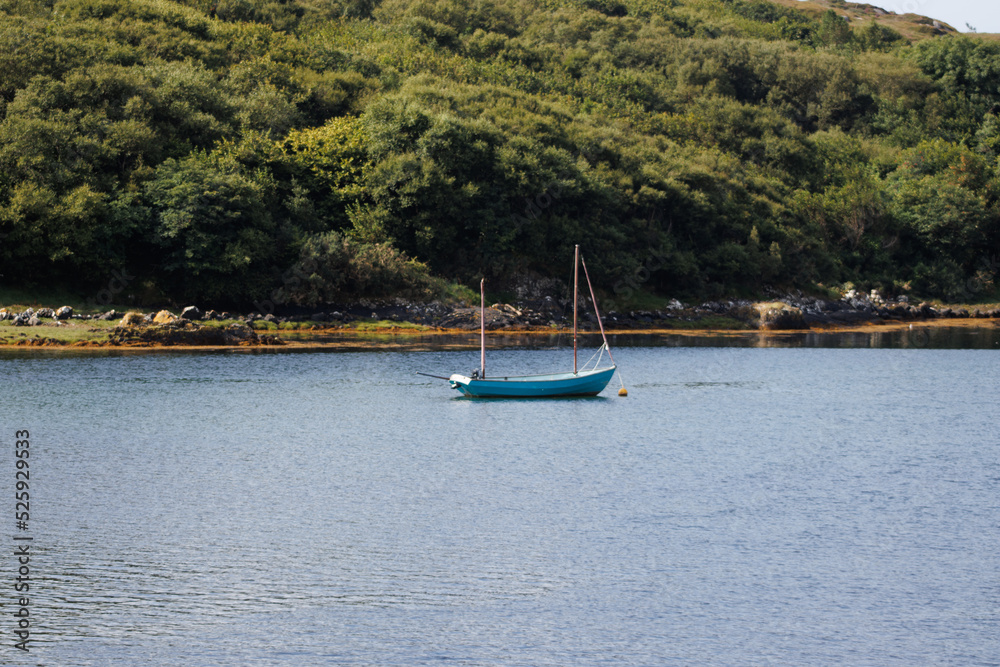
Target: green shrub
<point>334,267</point>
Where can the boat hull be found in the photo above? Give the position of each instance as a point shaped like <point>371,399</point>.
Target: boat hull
<point>583,383</point>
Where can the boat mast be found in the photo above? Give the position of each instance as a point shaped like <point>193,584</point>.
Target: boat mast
<point>576,275</point>
<point>482,328</point>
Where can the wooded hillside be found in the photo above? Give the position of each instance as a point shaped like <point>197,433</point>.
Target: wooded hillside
<point>230,150</point>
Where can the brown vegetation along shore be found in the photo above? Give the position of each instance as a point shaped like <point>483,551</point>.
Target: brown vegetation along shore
<point>460,339</point>
<point>393,326</point>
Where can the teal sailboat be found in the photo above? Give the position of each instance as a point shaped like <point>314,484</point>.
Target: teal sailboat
<point>581,381</point>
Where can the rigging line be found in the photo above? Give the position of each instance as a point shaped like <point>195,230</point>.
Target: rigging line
<point>599,322</point>
<point>599,354</point>
<point>596,311</point>
<point>600,350</point>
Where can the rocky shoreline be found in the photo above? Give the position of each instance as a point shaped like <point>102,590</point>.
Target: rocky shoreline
<point>192,327</point>
<point>161,328</point>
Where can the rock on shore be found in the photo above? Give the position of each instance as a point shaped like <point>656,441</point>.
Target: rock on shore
<point>168,329</point>
<point>779,315</point>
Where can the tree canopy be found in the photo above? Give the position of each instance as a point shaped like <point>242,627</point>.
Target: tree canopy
<point>208,146</point>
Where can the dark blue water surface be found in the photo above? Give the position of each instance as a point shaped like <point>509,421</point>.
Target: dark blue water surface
<point>742,506</point>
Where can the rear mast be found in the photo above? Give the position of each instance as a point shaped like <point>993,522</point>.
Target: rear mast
<point>482,328</point>
<point>576,276</point>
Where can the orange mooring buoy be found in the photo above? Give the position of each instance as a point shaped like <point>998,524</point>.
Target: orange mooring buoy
<point>622,392</point>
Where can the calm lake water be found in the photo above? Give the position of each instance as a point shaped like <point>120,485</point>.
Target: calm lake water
<point>826,501</point>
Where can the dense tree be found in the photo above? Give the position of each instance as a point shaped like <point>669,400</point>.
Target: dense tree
<point>706,146</point>
<point>212,225</point>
